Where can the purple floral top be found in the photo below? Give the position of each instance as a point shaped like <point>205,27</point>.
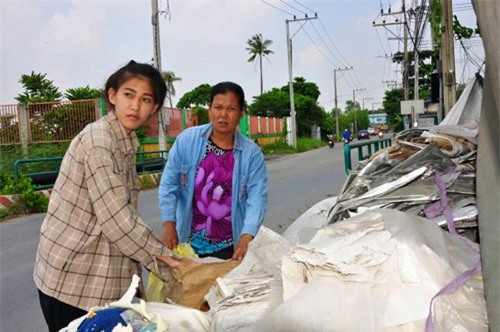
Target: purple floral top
<point>211,229</point>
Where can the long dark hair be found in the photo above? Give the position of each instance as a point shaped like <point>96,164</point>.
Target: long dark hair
<point>134,69</point>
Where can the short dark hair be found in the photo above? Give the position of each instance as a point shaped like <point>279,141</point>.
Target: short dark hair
<point>224,87</point>
<point>134,69</point>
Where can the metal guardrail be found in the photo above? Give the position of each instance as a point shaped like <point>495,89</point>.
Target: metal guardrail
<point>376,143</point>
<point>146,162</point>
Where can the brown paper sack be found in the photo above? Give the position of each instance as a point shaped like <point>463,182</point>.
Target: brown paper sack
<point>188,284</point>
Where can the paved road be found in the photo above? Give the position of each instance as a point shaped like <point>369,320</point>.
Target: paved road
<point>296,182</point>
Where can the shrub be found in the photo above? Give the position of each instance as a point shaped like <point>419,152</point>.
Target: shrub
<point>28,200</point>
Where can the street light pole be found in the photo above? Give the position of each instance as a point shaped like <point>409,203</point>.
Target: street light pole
<point>335,70</point>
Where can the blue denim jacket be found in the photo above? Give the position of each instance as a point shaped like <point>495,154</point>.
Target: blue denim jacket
<point>249,192</point>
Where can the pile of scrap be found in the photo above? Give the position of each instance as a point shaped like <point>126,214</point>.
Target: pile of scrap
<point>428,172</point>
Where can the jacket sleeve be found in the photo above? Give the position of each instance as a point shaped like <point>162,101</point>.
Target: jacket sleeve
<point>168,191</point>
<point>117,218</point>
<point>256,191</point>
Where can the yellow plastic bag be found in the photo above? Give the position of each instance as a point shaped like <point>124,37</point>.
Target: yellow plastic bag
<point>156,289</point>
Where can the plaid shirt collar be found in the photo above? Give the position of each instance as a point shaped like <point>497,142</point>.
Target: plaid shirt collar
<point>126,142</point>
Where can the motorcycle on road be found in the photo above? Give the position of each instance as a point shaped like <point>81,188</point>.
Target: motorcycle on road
<point>330,141</point>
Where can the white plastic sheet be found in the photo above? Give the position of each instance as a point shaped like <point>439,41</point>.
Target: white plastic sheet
<point>378,272</point>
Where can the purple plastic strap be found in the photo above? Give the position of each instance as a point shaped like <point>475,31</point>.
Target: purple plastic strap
<point>431,211</point>
<point>451,288</point>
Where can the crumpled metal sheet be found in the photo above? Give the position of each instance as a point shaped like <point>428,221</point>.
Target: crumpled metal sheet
<point>384,179</point>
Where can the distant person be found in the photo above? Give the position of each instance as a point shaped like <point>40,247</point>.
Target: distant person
<point>213,191</point>
<point>347,135</point>
<point>93,239</point>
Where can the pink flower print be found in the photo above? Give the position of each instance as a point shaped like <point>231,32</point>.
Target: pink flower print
<point>200,176</point>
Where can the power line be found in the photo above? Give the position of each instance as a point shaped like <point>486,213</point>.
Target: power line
<point>312,11</point>
<point>318,48</point>
<point>281,10</point>
<point>287,4</point>
<point>346,63</point>
<point>328,48</point>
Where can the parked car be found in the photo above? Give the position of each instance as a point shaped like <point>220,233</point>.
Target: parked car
<point>363,134</point>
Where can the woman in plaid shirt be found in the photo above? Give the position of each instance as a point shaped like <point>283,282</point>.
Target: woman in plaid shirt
<point>93,239</point>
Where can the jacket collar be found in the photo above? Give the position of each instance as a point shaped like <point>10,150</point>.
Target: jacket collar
<point>238,138</point>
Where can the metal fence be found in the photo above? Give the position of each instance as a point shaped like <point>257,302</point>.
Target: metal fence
<point>45,122</point>
<point>62,121</point>
<point>9,125</point>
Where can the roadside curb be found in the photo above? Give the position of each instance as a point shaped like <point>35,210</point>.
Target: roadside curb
<point>7,201</point>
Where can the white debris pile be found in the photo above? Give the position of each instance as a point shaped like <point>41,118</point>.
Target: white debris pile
<point>253,289</point>
<point>379,271</point>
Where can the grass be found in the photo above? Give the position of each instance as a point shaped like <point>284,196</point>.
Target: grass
<point>303,144</point>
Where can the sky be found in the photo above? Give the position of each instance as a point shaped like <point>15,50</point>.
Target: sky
<point>80,43</point>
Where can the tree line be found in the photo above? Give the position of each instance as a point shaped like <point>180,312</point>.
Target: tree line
<point>271,103</point>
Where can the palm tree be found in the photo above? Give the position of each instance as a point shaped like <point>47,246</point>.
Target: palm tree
<point>259,47</point>
<point>170,78</point>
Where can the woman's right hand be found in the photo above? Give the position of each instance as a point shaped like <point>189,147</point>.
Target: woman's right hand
<point>169,235</point>
<point>172,261</point>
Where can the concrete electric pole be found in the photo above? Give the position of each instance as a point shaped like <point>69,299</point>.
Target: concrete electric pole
<point>335,70</point>
<point>448,57</point>
<point>293,123</point>
<point>355,110</point>
<point>398,21</point>
<point>162,139</point>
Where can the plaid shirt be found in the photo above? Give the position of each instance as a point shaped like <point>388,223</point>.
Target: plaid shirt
<point>93,239</point>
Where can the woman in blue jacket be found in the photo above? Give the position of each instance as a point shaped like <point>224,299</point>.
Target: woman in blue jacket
<point>213,191</point>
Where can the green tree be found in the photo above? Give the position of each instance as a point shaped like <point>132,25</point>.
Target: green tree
<point>274,103</point>
<point>304,88</point>
<point>170,79</point>
<point>308,113</point>
<point>351,106</point>
<point>81,93</point>
<point>259,48</point>
<point>202,114</point>
<point>37,88</point>
<point>392,107</point>
<point>199,96</point>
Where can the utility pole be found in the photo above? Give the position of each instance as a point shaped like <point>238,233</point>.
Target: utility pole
<point>293,123</point>
<point>398,21</point>
<point>406,91</point>
<point>335,70</point>
<point>162,142</point>
<point>364,101</point>
<point>354,104</point>
<point>448,57</point>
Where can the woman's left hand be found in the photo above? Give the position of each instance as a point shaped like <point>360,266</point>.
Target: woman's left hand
<point>242,247</point>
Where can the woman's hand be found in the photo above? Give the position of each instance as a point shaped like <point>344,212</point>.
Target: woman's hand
<point>174,261</point>
<point>169,260</point>
<point>169,235</point>
<point>241,249</point>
